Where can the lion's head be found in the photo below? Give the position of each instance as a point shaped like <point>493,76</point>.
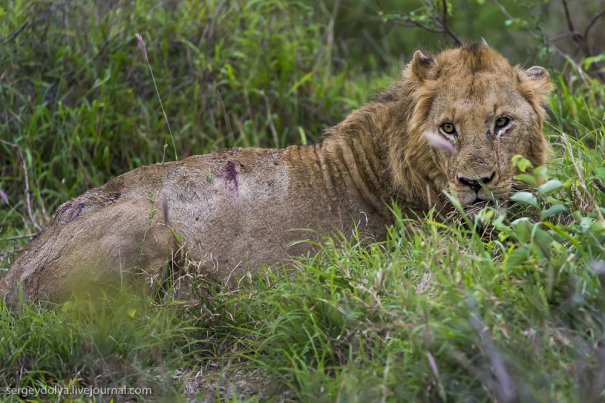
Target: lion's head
<point>472,111</point>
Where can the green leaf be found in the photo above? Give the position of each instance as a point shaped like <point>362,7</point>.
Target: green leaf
<point>541,171</point>
<point>597,228</point>
<point>485,215</point>
<point>600,173</point>
<point>526,178</point>
<point>586,63</point>
<point>550,187</point>
<point>542,240</point>
<point>303,135</point>
<point>523,229</point>
<point>526,198</point>
<point>566,235</point>
<point>503,229</point>
<point>106,158</point>
<point>300,82</point>
<point>553,200</point>
<point>586,223</point>
<point>521,163</point>
<point>516,257</point>
<point>553,210</point>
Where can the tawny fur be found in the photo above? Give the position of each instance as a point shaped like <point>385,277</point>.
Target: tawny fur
<point>238,209</point>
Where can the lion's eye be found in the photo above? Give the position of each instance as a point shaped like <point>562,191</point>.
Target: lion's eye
<point>502,122</point>
<point>448,128</point>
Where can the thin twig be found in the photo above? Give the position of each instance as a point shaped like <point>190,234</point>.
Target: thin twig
<point>14,238</point>
<point>576,66</point>
<point>593,22</point>
<point>561,36</point>
<point>28,204</point>
<point>582,40</point>
<point>412,23</point>
<point>568,17</point>
<point>14,35</point>
<point>26,191</point>
<point>445,26</point>
<point>438,18</point>
<point>589,27</point>
<point>143,46</point>
<point>577,36</point>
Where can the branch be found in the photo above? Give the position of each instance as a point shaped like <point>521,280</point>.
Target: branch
<point>12,36</point>
<point>412,23</point>
<point>554,47</point>
<point>446,28</point>
<point>560,36</point>
<point>577,36</point>
<point>568,17</point>
<point>582,40</point>
<point>592,22</point>
<point>438,18</point>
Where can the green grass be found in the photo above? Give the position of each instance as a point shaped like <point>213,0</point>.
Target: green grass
<point>454,311</point>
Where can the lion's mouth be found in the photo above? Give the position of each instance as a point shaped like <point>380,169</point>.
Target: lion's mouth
<point>468,199</point>
<point>476,201</point>
<point>479,204</point>
<point>485,196</point>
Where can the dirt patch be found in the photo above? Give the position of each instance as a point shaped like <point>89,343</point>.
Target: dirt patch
<point>212,383</point>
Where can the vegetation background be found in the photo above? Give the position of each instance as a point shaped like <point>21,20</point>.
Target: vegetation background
<point>438,312</point>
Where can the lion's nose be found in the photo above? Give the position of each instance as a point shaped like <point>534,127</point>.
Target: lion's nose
<point>475,184</point>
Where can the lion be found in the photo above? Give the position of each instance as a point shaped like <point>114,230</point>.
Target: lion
<point>451,123</point>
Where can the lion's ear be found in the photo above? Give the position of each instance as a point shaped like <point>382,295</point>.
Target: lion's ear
<point>540,80</point>
<point>422,66</point>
